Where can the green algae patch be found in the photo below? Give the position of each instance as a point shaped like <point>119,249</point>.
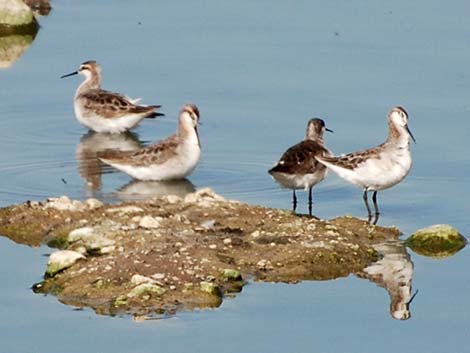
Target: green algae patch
<point>120,301</point>
<point>437,241</point>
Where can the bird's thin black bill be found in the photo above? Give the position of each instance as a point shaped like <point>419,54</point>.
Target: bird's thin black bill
<point>411,135</point>
<point>70,74</point>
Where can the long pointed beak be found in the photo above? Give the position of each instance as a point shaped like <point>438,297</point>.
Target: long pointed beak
<point>411,135</point>
<point>70,74</point>
<point>329,130</point>
<point>197,134</point>
<point>412,297</point>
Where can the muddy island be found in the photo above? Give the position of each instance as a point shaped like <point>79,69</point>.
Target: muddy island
<point>168,254</point>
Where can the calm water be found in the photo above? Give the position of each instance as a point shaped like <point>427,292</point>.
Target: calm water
<point>257,72</point>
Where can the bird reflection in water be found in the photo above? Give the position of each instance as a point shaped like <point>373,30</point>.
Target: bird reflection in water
<point>91,144</point>
<point>394,272</point>
<point>138,189</point>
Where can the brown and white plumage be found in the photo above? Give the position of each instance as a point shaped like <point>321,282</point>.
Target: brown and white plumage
<point>379,167</point>
<point>170,159</point>
<point>104,111</point>
<point>297,167</point>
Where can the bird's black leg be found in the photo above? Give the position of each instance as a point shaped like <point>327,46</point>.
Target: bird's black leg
<point>376,208</point>
<point>310,202</point>
<point>369,214</point>
<point>294,200</point>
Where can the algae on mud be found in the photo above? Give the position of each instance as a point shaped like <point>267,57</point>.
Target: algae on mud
<point>202,248</point>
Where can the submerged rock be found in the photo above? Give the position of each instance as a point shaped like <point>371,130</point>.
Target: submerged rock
<point>438,241</point>
<point>61,260</point>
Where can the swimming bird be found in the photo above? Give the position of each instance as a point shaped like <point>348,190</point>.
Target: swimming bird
<point>104,111</point>
<point>379,167</point>
<point>298,168</point>
<point>170,159</point>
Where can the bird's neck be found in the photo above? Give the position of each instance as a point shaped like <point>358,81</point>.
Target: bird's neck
<point>398,135</point>
<point>188,134</point>
<point>317,138</point>
<point>91,82</point>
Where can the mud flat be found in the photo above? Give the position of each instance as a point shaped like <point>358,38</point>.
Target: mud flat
<point>169,254</point>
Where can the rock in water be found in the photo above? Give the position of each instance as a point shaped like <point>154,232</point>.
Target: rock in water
<point>438,241</point>
<point>15,13</point>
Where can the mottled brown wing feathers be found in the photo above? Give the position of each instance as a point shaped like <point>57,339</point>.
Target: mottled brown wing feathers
<point>158,153</point>
<point>352,160</point>
<point>112,105</point>
<point>300,158</point>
